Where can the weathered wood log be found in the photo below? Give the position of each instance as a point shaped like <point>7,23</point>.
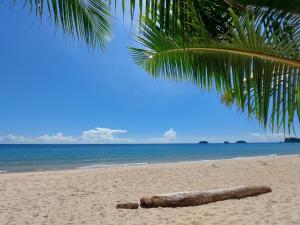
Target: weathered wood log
<point>127,206</point>
<point>183,199</point>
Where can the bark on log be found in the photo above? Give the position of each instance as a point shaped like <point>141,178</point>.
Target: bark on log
<point>183,199</point>
<point>127,206</point>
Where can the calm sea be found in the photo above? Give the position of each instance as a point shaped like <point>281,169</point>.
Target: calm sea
<point>21,158</point>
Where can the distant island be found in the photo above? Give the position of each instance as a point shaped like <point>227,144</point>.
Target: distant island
<point>227,142</point>
<point>292,140</point>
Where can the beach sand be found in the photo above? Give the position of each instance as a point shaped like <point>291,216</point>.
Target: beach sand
<point>90,196</point>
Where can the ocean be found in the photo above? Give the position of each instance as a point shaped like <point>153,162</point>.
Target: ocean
<point>24,158</point>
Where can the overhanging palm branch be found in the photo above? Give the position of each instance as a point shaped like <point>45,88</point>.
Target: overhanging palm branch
<point>167,13</point>
<point>212,12</point>
<point>292,6</point>
<point>254,66</point>
<point>88,20</point>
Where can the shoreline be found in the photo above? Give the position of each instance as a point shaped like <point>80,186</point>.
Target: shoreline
<point>146,164</point>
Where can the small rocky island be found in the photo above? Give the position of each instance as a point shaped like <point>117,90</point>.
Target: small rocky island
<point>292,140</point>
<point>226,142</point>
<point>241,142</point>
<point>203,142</point>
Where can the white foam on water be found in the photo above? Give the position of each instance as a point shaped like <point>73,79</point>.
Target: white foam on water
<point>253,157</point>
<point>247,157</point>
<point>111,165</point>
<point>3,171</point>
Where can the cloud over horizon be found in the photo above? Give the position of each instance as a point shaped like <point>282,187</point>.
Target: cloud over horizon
<point>98,135</point>
<point>93,136</point>
<point>170,135</point>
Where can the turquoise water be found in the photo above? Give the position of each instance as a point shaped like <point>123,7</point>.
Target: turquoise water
<point>21,158</point>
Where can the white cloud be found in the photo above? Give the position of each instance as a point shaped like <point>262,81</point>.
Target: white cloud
<point>44,139</point>
<point>56,138</point>
<point>95,136</point>
<point>100,135</point>
<point>12,139</point>
<point>170,135</point>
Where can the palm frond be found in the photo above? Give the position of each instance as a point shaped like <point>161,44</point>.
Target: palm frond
<point>254,66</point>
<point>213,13</point>
<point>88,20</point>
<point>291,6</point>
<point>167,13</point>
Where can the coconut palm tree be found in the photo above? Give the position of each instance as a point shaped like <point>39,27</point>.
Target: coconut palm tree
<point>255,65</point>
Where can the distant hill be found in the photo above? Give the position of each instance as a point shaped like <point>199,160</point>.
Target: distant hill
<point>203,142</point>
<point>226,142</point>
<point>241,142</point>
<point>292,140</point>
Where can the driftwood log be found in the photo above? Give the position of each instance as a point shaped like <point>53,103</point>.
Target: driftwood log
<point>183,199</point>
<point>127,206</point>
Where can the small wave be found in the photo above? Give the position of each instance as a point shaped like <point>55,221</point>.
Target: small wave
<point>111,165</point>
<point>3,171</point>
<point>258,156</point>
<point>246,157</point>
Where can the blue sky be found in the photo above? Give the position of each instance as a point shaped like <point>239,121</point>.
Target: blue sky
<point>55,90</point>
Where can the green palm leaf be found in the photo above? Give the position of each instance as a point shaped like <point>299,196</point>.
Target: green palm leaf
<point>254,66</point>
<point>88,20</point>
<point>213,13</point>
<point>283,5</point>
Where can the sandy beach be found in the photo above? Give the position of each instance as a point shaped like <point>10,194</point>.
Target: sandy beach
<point>90,196</point>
